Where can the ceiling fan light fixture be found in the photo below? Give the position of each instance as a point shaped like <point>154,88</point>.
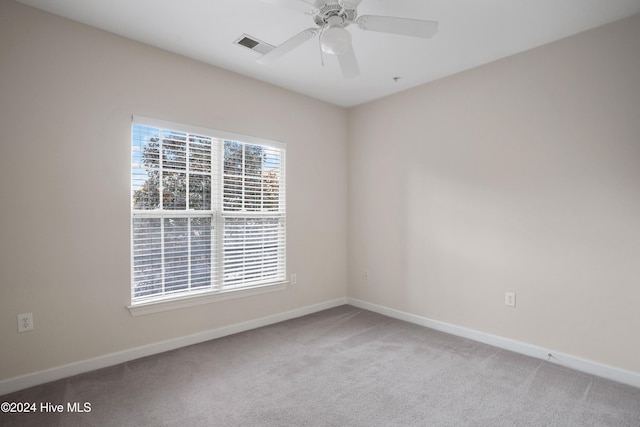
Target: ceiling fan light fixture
<point>335,40</point>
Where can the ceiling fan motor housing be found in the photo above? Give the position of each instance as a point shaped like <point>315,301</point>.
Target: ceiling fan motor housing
<point>329,10</point>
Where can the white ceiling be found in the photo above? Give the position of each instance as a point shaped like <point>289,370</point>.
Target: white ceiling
<point>472,32</point>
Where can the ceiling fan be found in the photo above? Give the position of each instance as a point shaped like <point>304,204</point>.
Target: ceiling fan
<point>332,17</point>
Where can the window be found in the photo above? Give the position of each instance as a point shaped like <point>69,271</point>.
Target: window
<point>207,212</point>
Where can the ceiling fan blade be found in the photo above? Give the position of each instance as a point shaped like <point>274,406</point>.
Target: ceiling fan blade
<point>287,46</point>
<point>349,64</point>
<point>403,26</point>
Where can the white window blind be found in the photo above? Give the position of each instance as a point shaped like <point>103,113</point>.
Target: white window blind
<point>208,211</point>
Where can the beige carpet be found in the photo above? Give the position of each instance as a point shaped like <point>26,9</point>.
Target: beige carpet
<point>339,367</point>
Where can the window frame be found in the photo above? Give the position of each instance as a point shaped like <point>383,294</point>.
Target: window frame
<point>216,291</point>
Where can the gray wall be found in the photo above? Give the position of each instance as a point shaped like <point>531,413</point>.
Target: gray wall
<point>67,93</point>
<point>522,175</point>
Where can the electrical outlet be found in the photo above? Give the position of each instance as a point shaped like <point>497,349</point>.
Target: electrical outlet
<point>294,279</point>
<point>25,322</point>
<point>510,299</point>
<point>365,274</point>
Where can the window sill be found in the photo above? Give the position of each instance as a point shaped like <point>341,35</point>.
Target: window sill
<point>204,298</point>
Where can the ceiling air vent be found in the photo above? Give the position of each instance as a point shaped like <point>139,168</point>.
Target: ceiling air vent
<point>253,43</point>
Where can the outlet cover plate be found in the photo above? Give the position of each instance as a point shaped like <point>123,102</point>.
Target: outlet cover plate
<point>510,299</point>
<point>25,322</point>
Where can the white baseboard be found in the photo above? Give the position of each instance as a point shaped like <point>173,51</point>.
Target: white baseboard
<point>11,385</point>
<point>616,374</point>
<point>579,364</point>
